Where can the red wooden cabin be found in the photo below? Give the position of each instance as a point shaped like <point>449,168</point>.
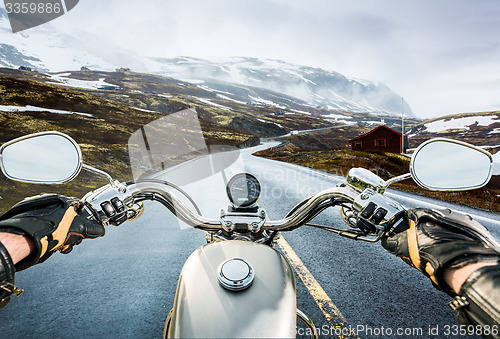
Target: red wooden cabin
<point>381,139</point>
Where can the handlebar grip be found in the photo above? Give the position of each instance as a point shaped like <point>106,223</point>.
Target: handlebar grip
<point>398,224</point>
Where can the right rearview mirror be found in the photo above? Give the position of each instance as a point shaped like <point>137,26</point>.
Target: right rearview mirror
<point>449,165</point>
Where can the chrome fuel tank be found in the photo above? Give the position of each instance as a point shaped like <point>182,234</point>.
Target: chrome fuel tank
<point>203,308</point>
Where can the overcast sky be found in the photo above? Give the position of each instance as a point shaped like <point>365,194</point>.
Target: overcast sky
<point>443,57</point>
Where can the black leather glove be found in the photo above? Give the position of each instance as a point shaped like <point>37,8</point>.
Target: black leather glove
<point>52,222</point>
<point>7,270</point>
<point>436,240</point>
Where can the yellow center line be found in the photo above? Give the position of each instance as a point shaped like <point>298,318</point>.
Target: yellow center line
<point>325,304</point>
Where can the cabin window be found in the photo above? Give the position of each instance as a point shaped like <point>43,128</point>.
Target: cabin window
<point>379,142</point>
<point>358,144</point>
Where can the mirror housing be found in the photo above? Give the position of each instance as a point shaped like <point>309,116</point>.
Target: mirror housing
<point>449,165</point>
<point>361,179</point>
<point>41,158</point>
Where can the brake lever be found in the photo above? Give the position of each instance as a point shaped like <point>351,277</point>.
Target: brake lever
<point>350,233</point>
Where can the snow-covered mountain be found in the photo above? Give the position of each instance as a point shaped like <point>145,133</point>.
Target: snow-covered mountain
<point>45,49</point>
<point>316,86</point>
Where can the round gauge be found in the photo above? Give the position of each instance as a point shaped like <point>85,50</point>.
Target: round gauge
<point>243,190</point>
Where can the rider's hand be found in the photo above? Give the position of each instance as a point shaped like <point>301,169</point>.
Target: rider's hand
<point>52,222</point>
<point>434,243</point>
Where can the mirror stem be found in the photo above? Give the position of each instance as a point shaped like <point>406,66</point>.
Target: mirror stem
<point>101,173</point>
<point>398,178</point>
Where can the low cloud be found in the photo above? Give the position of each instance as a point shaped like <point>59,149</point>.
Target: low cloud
<point>420,49</point>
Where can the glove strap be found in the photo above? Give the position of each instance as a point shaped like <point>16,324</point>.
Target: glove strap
<point>7,271</point>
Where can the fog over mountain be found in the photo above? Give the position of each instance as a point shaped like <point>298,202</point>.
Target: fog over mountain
<point>47,50</point>
<point>316,86</point>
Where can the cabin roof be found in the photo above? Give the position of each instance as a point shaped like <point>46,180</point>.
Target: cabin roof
<point>373,130</point>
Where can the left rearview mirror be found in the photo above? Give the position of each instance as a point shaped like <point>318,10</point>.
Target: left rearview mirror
<point>42,158</point>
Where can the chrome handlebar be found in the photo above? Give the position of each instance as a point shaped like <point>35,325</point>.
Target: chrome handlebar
<point>133,193</point>
<point>308,209</point>
<point>177,207</point>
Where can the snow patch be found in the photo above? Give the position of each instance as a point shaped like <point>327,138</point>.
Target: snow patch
<point>230,99</point>
<point>339,118</point>
<point>144,110</point>
<point>20,109</point>
<point>206,101</point>
<point>193,81</point>
<point>60,79</point>
<point>266,102</point>
<point>269,122</point>
<point>208,89</point>
<point>301,112</point>
<point>363,82</point>
<point>336,116</point>
<point>460,123</point>
<point>298,75</point>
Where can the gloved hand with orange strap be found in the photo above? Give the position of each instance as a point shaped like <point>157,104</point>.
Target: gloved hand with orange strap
<point>52,222</point>
<point>434,242</point>
<point>48,222</point>
<point>441,245</point>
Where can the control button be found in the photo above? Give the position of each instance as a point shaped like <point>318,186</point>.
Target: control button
<point>365,226</point>
<point>368,210</point>
<point>118,205</point>
<point>379,215</point>
<point>108,209</point>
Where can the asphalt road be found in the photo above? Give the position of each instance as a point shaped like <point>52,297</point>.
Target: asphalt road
<point>123,285</point>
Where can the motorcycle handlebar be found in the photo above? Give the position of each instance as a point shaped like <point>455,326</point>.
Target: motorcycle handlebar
<point>311,207</point>
<point>156,190</point>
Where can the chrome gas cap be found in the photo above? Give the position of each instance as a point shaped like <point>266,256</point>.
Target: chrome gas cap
<point>235,274</point>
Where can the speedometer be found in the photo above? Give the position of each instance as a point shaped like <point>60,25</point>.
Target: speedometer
<point>243,190</point>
